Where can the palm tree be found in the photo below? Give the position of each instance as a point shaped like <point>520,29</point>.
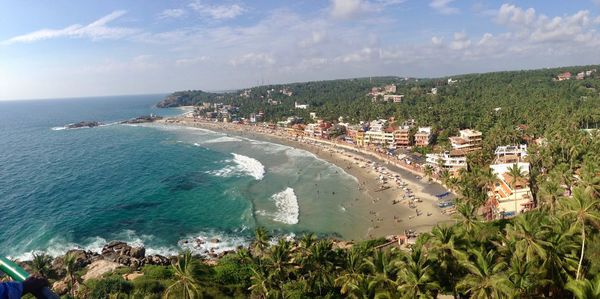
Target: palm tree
<point>71,267</point>
<point>590,179</point>
<point>185,284</point>
<point>561,254</point>
<point>549,194</point>
<point>515,174</point>
<point>528,236</point>
<point>41,263</point>
<point>585,289</point>
<point>485,278</point>
<point>350,280</point>
<point>261,239</point>
<point>444,247</point>
<point>467,218</point>
<point>581,208</point>
<point>279,261</point>
<point>383,267</point>
<point>416,278</point>
<point>524,276</point>
<point>428,171</point>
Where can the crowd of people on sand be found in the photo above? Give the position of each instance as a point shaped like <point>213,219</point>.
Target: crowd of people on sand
<point>353,157</point>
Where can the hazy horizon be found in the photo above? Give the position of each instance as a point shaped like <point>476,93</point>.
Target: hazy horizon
<point>65,49</point>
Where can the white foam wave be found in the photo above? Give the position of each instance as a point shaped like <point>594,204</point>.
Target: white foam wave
<point>206,243</point>
<point>222,140</point>
<point>203,243</point>
<point>243,165</point>
<point>288,210</point>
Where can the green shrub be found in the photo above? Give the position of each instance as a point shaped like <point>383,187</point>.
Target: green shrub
<point>158,272</point>
<point>230,271</point>
<point>148,286</point>
<point>111,285</point>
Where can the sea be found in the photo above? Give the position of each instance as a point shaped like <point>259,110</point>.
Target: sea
<point>163,187</point>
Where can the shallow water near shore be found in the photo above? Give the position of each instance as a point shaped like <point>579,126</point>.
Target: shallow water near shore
<point>152,184</point>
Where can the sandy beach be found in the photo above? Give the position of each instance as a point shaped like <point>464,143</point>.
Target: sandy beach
<point>396,199</point>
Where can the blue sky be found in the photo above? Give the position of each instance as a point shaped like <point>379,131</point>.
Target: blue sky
<point>84,48</point>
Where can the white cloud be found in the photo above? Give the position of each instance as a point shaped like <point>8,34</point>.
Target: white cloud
<point>344,9</point>
<point>254,59</point>
<point>509,14</point>
<point>460,42</point>
<point>191,61</point>
<point>437,41</point>
<point>316,37</point>
<point>217,12</point>
<point>172,13</point>
<point>443,7</point>
<point>95,31</point>
<point>363,55</point>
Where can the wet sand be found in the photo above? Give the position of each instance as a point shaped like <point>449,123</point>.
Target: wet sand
<point>386,206</point>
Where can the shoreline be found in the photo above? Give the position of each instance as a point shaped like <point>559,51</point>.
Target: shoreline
<point>390,205</point>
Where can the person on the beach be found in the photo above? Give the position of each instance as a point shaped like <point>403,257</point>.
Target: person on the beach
<point>14,290</point>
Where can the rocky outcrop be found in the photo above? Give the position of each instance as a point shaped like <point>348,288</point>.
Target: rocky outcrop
<point>99,268</point>
<point>82,259</point>
<point>60,287</point>
<point>83,124</point>
<point>143,119</point>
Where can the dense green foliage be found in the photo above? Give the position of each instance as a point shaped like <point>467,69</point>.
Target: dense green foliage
<point>529,98</point>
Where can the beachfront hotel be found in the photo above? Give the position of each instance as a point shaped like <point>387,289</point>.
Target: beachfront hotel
<point>423,137</point>
<point>452,161</point>
<point>467,141</point>
<point>507,198</point>
<point>402,136</point>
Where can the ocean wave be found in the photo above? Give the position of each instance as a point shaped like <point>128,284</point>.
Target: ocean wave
<point>243,165</point>
<point>288,210</point>
<point>222,140</point>
<point>203,243</point>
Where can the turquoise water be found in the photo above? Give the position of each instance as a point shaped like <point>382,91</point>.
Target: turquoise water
<point>152,184</point>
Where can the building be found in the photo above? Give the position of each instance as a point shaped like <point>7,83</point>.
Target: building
<point>402,136</point>
<point>390,88</point>
<point>452,161</point>
<point>384,138</point>
<point>468,140</point>
<point>377,125</point>
<point>564,76</point>
<point>303,106</point>
<point>510,154</point>
<point>434,90</point>
<point>505,198</point>
<point>359,138</point>
<point>580,76</point>
<point>396,98</point>
<point>423,137</point>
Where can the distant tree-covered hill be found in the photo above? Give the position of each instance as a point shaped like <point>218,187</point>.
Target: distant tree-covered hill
<point>488,102</point>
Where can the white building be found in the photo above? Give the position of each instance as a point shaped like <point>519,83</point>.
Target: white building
<point>505,198</point>
<point>303,106</point>
<point>396,98</point>
<point>510,154</point>
<point>451,161</point>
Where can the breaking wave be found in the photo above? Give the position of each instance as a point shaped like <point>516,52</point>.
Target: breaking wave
<point>243,165</point>
<point>288,210</point>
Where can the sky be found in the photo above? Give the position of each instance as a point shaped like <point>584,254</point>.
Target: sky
<point>65,48</point>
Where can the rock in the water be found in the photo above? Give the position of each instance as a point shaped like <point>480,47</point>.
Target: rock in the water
<point>215,240</point>
<point>158,260</point>
<point>83,124</point>
<point>99,268</point>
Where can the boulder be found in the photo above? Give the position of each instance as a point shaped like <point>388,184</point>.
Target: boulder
<point>99,268</point>
<point>158,260</point>
<point>60,287</point>
<point>138,252</point>
<point>132,276</point>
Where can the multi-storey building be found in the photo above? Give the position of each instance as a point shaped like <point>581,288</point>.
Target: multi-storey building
<point>453,161</point>
<point>467,141</point>
<point>402,136</point>
<point>509,196</point>
<point>423,136</point>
